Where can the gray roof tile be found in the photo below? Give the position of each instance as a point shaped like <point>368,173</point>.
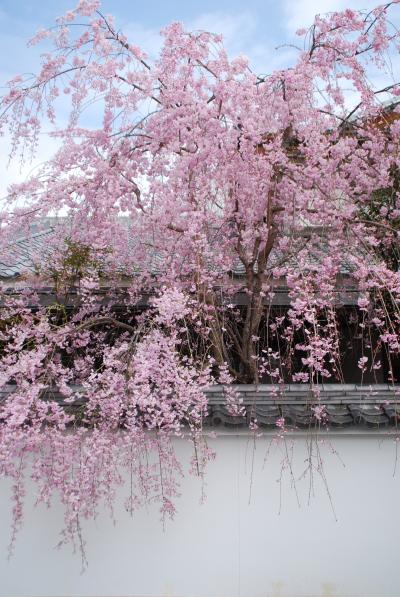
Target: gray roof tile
<point>24,254</point>
<point>375,407</point>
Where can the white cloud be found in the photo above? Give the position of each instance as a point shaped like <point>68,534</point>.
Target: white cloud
<point>300,13</point>
<point>240,36</point>
<point>14,172</point>
<point>236,29</point>
<point>147,38</point>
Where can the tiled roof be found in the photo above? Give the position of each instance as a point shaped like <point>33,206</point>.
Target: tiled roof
<point>25,253</point>
<point>343,406</point>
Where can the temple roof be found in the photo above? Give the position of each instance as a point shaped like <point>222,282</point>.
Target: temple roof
<point>28,253</point>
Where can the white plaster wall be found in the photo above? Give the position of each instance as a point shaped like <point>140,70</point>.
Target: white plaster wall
<point>232,547</point>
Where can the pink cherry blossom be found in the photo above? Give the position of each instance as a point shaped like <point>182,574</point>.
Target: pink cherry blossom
<point>202,225</point>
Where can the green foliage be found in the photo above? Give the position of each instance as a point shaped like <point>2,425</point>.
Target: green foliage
<point>75,262</point>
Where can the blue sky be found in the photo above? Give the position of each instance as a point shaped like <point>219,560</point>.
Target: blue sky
<point>252,27</point>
